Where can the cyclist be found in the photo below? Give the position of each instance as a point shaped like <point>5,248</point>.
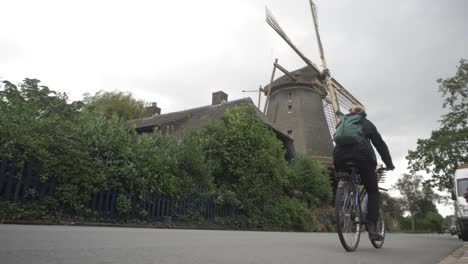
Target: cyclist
<point>363,155</point>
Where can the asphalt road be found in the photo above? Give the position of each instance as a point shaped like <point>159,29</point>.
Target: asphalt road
<point>72,244</point>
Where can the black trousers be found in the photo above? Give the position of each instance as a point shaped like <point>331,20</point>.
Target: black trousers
<point>369,180</point>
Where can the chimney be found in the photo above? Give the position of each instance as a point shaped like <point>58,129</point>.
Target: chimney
<point>152,110</point>
<point>219,97</point>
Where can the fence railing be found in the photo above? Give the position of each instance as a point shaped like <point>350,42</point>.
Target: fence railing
<point>22,184</point>
<point>156,208</point>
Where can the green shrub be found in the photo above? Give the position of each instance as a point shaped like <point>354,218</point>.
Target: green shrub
<point>290,213</point>
<point>11,212</point>
<point>123,204</point>
<point>245,158</point>
<point>309,181</point>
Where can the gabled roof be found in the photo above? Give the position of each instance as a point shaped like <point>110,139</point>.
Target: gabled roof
<point>196,118</point>
<point>204,112</point>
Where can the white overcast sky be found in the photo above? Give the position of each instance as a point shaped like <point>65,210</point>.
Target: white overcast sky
<point>176,53</point>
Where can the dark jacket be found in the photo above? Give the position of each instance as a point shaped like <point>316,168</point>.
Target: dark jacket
<point>365,151</point>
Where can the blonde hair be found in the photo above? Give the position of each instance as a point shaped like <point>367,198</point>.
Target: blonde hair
<point>357,109</point>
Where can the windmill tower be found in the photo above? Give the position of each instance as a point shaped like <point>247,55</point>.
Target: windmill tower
<point>303,103</point>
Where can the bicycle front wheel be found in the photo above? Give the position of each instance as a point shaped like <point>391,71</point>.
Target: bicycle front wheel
<point>348,215</point>
<point>380,228</point>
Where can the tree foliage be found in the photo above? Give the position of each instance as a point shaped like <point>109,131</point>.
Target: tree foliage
<point>249,170</point>
<point>392,205</point>
<point>38,125</point>
<point>417,197</point>
<point>447,148</point>
<point>309,180</point>
<point>290,213</point>
<point>115,103</point>
<point>245,157</point>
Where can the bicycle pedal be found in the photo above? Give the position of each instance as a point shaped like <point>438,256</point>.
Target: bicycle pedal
<point>375,237</point>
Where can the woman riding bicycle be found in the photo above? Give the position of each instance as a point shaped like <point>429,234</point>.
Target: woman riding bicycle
<point>363,156</point>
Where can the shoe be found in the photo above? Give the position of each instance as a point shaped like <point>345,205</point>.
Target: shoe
<point>372,230</point>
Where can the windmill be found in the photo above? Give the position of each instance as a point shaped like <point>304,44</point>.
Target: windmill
<point>303,102</point>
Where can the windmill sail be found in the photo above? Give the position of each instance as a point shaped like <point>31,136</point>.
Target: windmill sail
<point>313,8</point>
<point>270,19</point>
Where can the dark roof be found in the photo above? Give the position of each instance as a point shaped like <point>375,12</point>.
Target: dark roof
<point>303,76</point>
<point>196,118</point>
<point>208,112</point>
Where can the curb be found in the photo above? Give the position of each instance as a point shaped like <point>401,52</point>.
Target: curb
<point>97,224</point>
<point>154,225</point>
<point>459,256</point>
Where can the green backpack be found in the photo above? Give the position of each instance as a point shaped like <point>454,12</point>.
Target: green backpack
<point>349,131</point>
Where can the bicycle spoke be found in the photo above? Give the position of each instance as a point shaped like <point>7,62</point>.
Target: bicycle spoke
<point>347,210</point>
<point>380,229</point>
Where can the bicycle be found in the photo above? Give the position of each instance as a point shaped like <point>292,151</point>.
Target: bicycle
<point>350,197</point>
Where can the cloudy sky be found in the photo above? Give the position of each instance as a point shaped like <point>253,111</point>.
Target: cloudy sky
<point>389,54</point>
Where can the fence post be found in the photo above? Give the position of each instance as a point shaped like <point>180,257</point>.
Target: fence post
<point>19,182</point>
<point>172,207</point>
<point>159,208</point>
<point>27,181</point>
<point>52,186</point>
<point>106,207</point>
<point>44,187</point>
<point>2,173</point>
<point>100,201</point>
<point>153,206</point>
<point>93,205</point>
<point>205,208</point>
<point>6,194</point>
<point>112,206</point>
<point>129,196</point>
<point>163,206</point>
<point>36,181</point>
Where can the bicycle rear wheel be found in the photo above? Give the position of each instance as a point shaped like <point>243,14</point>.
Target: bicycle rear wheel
<point>348,216</point>
<point>380,228</point>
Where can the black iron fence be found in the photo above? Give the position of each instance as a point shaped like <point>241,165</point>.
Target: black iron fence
<point>21,183</point>
<point>156,208</point>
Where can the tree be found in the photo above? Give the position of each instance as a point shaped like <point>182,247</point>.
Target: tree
<point>392,205</point>
<point>447,148</point>
<point>393,210</point>
<point>34,120</point>
<point>115,103</point>
<point>417,196</point>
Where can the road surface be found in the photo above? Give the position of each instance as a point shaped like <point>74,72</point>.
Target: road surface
<point>73,244</point>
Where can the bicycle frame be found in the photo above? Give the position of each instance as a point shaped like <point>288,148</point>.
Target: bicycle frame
<point>361,192</point>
